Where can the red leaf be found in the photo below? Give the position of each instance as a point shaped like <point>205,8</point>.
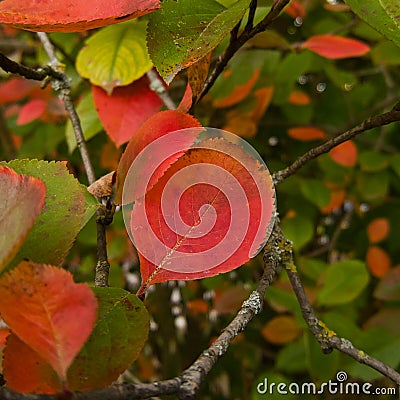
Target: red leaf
<point>71,15</point>
<point>16,89</point>
<point>25,371</point>
<point>21,199</point>
<point>187,99</point>
<point>31,111</point>
<point>156,126</point>
<point>335,47</point>
<point>345,154</point>
<point>306,133</point>
<point>125,109</point>
<point>48,311</point>
<point>218,214</point>
<point>295,9</point>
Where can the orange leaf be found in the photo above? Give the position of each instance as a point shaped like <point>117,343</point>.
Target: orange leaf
<point>241,125</point>
<point>299,98</point>
<point>281,329</point>
<point>345,154</point>
<point>335,47</point>
<point>156,126</point>
<point>4,332</point>
<point>197,74</point>
<point>264,97</point>
<point>48,311</point>
<point>122,112</point>
<point>197,306</point>
<point>378,230</point>
<point>239,92</point>
<point>71,16</point>
<point>306,133</point>
<point>337,199</point>
<point>378,261</point>
<point>25,371</point>
<point>21,198</point>
<point>110,156</point>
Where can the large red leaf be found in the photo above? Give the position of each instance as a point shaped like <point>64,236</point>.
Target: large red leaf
<point>156,126</point>
<point>71,15</point>
<point>122,112</point>
<point>210,212</point>
<point>48,311</point>
<point>335,47</point>
<point>21,199</point>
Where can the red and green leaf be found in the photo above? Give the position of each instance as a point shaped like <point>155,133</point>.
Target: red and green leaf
<point>62,217</point>
<point>22,198</point>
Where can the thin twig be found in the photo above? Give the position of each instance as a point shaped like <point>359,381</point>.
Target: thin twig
<point>103,214</point>
<point>378,120</point>
<point>328,339</point>
<point>237,42</point>
<point>157,86</point>
<point>63,88</point>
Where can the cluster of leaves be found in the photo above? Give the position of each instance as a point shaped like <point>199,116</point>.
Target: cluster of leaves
<point>319,71</point>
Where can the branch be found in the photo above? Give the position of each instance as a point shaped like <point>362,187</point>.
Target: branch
<point>237,42</point>
<point>62,86</point>
<point>103,214</point>
<point>373,122</point>
<point>157,86</point>
<point>328,339</point>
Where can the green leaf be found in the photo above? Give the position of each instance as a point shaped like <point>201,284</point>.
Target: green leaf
<point>341,78</point>
<point>184,31</point>
<point>382,15</point>
<point>91,205</point>
<point>115,55</point>
<point>61,218</point>
<point>292,358</point>
<point>373,186</point>
<point>371,161</point>
<point>343,282</point>
<point>299,230</point>
<point>315,192</point>
<point>386,53</point>
<point>90,122</point>
<point>292,66</point>
<point>395,163</point>
<point>321,366</point>
<point>118,336</point>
